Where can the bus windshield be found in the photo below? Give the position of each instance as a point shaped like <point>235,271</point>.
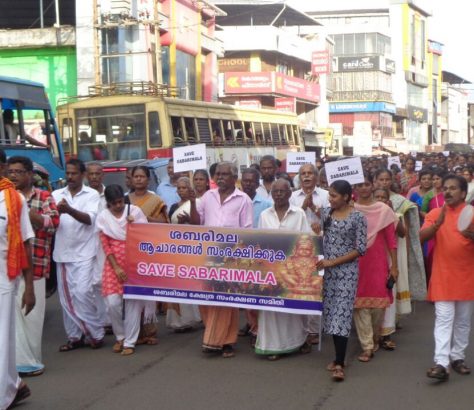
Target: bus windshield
<point>27,126</point>
<point>111,133</point>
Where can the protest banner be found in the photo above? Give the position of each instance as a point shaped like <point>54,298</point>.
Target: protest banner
<point>418,165</point>
<point>189,158</point>
<point>349,169</point>
<point>225,267</point>
<point>394,161</point>
<point>294,160</point>
<point>446,153</point>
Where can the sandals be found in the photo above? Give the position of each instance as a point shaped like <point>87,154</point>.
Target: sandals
<point>227,351</point>
<point>387,344</point>
<point>438,372</point>
<point>127,351</point>
<point>366,356</point>
<point>306,348</point>
<point>21,394</point>
<point>72,345</point>
<point>338,373</point>
<point>96,343</point>
<point>118,346</point>
<point>460,367</point>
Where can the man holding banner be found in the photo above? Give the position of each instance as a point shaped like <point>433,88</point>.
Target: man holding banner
<point>227,207</point>
<point>282,333</point>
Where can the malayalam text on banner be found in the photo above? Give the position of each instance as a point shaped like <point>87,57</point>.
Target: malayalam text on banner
<point>227,267</point>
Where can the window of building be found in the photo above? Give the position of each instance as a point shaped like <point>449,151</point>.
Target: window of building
<point>186,74</point>
<point>338,44</point>
<point>349,44</point>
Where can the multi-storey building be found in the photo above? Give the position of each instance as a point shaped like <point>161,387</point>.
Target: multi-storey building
<point>267,63</point>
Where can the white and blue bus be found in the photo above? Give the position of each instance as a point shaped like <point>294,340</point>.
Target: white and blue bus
<point>28,127</point>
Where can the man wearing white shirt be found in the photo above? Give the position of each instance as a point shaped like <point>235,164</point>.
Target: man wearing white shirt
<point>74,252</point>
<point>281,333</point>
<point>268,168</point>
<point>310,198</point>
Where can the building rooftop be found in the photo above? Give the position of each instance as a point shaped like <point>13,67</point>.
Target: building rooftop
<point>262,13</point>
<point>451,78</point>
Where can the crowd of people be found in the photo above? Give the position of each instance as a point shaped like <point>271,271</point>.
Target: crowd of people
<point>388,241</point>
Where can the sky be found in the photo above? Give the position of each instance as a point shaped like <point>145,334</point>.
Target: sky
<point>451,23</point>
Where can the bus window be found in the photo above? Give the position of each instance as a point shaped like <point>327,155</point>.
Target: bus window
<point>239,132</point>
<point>283,134</point>
<point>191,134</point>
<point>249,134</point>
<point>204,130</point>
<point>154,129</point>
<point>228,132</point>
<point>37,128</point>
<point>66,133</point>
<point>296,135</point>
<point>217,133</point>
<point>177,128</point>
<point>113,133</point>
<point>258,133</point>
<point>275,134</point>
<point>267,134</point>
<point>290,134</point>
<point>11,127</point>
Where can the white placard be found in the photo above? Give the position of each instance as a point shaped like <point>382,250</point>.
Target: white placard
<point>349,169</point>
<point>413,154</point>
<point>189,158</point>
<point>418,165</point>
<point>294,160</point>
<point>446,153</point>
<point>394,160</point>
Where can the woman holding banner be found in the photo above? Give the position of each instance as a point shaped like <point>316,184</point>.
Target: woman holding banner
<point>111,224</point>
<point>154,209</point>
<point>345,239</point>
<point>411,285</point>
<point>182,317</point>
<point>375,273</point>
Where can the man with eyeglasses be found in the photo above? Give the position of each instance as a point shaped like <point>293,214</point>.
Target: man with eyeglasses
<point>44,218</point>
<point>281,333</point>
<point>451,286</point>
<point>15,260</point>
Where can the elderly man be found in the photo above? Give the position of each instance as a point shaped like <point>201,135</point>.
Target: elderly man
<point>15,232</point>
<point>282,333</point>
<point>226,207</point>
<point>310,198</point>
<point>451,286</point>
<point>74,252</point>
<point>44,218</point>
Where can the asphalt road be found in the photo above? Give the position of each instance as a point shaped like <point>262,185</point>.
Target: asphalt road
<point>175,375</point>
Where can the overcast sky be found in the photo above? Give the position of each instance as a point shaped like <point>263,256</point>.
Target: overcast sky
<point>452,24</point>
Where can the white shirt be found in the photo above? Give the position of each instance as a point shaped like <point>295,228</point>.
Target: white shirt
<point>294,220</point>
<point>27,232</point>
<point>263,193</point>
<point>76,241</point>
<point>320,200</point>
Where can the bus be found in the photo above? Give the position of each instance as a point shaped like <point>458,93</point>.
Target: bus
<point>143,122</point>
<point>28,127</point>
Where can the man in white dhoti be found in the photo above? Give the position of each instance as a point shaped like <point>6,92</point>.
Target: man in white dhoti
<point>15,255</point>
<point>44,218</point>
<point>281,333</point>
<point>74,252</point>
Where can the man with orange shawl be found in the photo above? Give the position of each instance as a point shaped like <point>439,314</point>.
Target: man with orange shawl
<point>15,254</point>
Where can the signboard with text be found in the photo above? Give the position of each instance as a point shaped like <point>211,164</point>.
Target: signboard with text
<point>297,87</point>
<point>225,267</point>
<point>287,104</point>
<point>349,169</point>
<point>394,161</point>
<point>248,83</point>
<point>189,158</point>
<point>294,160</point>
<point>320,62</point>
<point>358,63</point>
